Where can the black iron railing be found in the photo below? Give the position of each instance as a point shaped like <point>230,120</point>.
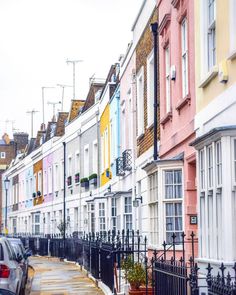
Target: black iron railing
<point>172,270</point>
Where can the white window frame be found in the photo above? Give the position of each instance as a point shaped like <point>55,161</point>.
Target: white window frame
<point>69,167</point>
<point>202,169</point>
<point>62,175</point>
<point>150,89</point>
<point>173,200</point>
<point>3,155</point>
<point>113,213</point>
<point>106,148</point>
<point>128,213</point>
<point>184,56</point>
<point>140,101</point>
<point>102,217</point>
<point>86,160</point>
<point>56,178</point>
<point>39,181</point>
<point>103,153</point>
<point>210,165</point>
<point>207,66</point>
<point>211,38</point>
<point>95,156</point>
<point>50,179</point>
<point>234,160</point>
<point>218,163</point>
<point>77,162</point>
<point>232,24</point>
<point>167,79</point>
<point>153,208</point>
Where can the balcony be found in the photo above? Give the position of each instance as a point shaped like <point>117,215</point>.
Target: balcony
<point>119,167</point>
<point>127,160</point>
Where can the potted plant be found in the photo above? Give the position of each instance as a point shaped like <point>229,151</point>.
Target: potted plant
<point>93,179</point>
<point>84,182</point>
<point>136,276</point>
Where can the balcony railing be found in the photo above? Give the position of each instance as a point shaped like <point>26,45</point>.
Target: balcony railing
<point>127,160</point>
<point>119,167</point>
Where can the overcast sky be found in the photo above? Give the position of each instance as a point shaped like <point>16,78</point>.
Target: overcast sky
<point>36,39</point>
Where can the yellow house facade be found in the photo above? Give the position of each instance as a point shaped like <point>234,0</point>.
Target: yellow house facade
<point>105,145</point>
<point>215,125</point>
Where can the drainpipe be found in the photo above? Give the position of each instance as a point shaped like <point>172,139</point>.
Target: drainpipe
<point>154,28</point>
<point>64,199</point>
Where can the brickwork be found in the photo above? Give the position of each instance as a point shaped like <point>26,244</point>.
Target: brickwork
<point>143,50</point>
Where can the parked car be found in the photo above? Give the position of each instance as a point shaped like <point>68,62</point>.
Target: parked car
<point>6,292</point>
<point>20,252</point>
<point>11,274</point>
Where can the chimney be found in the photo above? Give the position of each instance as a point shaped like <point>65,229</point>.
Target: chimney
<point>21,141</point>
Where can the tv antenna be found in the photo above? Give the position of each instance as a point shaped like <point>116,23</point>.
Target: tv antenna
<point>63,86</point>
<point>73,62</point>
<point>54,108</point>
<point>32,113</point>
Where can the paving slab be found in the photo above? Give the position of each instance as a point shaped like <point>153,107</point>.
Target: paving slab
<point>55,277</point>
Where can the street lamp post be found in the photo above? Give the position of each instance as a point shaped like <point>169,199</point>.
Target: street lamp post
<point>6,184</point>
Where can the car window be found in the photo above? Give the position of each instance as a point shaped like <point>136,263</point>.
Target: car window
<point>10,251</point>
<point>1,253</point>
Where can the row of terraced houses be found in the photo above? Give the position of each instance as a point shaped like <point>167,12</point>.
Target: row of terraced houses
<point>114,178</point>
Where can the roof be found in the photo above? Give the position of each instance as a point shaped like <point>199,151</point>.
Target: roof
<point>211,133</point>
<point>76,106</point>
<point>90,100</point>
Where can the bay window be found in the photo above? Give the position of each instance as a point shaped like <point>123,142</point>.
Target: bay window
<point>101,214</point>
<point>173,204</point>
<point>153,207</point>
<point>128,214</point>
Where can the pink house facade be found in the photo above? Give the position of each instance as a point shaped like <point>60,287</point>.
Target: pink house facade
<point>177,110</point>
<point>172,176</point>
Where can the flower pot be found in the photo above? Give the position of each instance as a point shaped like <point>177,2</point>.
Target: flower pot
<point>149,291</point>
<point>93,181</point>
<point>135,292</point>
<point>85,184</point>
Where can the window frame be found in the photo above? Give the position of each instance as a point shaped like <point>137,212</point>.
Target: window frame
<point>128,213</point>
<point>140,101</point>
<point>184,57</point>
<point>167,79</point>
<point>153,207</point>
<point>150,89</point>
<point>179,200</point>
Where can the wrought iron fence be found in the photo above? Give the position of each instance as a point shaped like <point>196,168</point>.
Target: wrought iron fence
<point>167,272</point>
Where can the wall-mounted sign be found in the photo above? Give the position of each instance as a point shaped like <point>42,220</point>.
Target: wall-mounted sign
<point>193,219</point>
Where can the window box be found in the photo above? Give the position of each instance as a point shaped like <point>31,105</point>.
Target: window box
<point>69,181</point>
<point>84,182</point>
<point>93,179</point>
<point>77,178</point>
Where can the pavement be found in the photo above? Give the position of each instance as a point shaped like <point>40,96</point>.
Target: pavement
<point>50,276</point>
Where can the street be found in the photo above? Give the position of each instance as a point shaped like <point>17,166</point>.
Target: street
<point>54,277</point>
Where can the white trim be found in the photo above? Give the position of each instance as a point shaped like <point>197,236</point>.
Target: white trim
<point>150,88</point>
<point>140,101</point>
<point>232,27</point>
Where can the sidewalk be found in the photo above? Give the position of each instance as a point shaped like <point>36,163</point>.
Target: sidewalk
<point>53,277</point>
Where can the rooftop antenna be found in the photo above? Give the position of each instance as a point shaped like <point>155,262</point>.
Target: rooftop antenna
<point>63,86</point>
<point>43,109</point>
<point>73,62</point>
<point>32,113</point>
<point>54,108</point>
<point>7,121</point>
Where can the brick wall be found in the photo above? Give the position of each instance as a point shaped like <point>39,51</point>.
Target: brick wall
<point>143,50</point>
